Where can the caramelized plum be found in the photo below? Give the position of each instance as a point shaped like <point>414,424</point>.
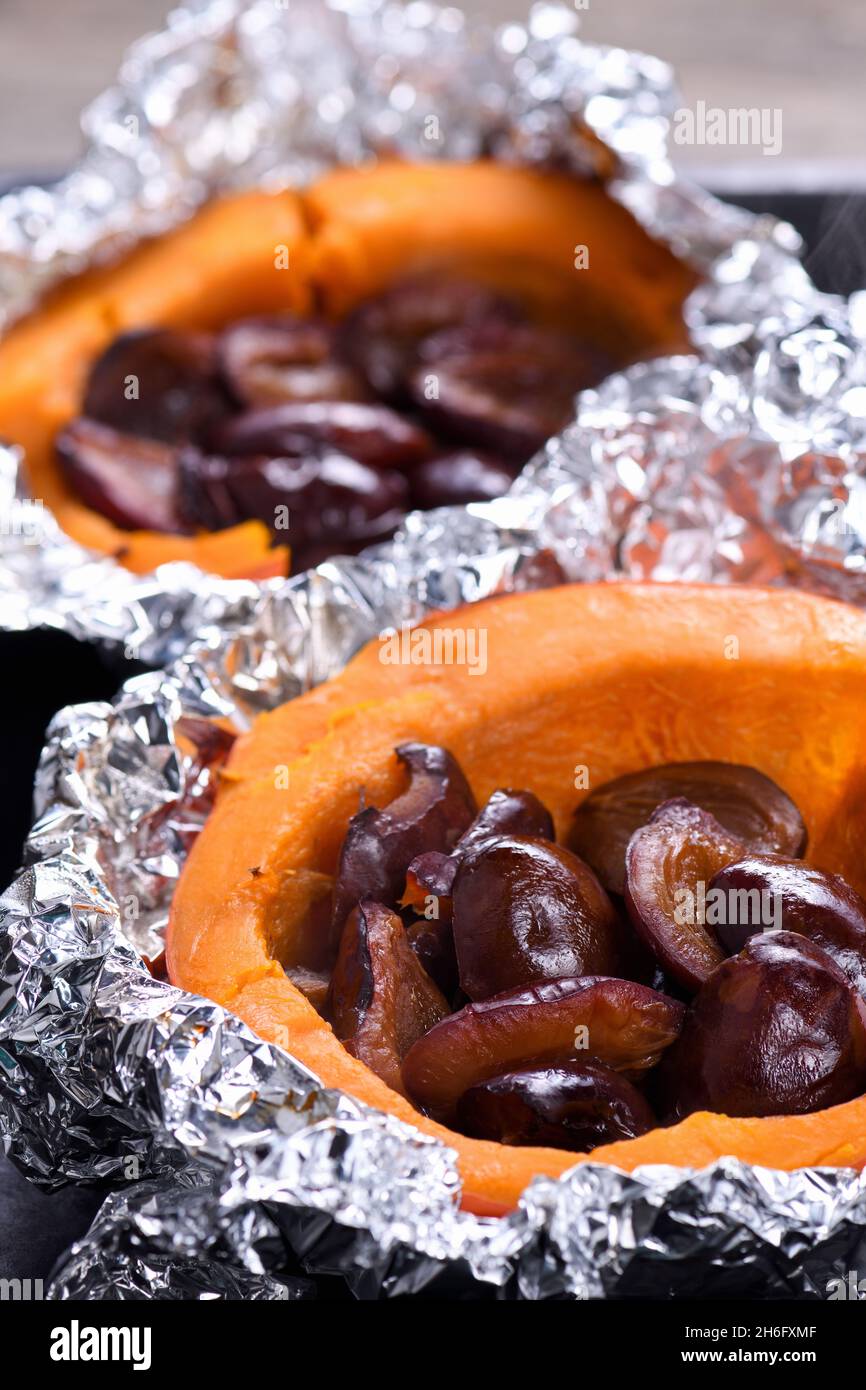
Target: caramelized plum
<point>212,742</point>
<point>669,863</point>
<point>524,909</point>
<point>157,383</point>
<point>506,812</point>
<point>331,498</point>
<point>207,745</point>
<point>381,1000</point>
<point>617,1022</point>
<point>577,1106</point>
<point>271,361</point>
<point>452,480</point>
<point>747,803</point>
<point>133,482</point>
<point>501,387</point>
<point>431,814</point>
<point>372,434</point>
<point>766,890</point>
<point>429,876</point>
<point>382,335</point>
<point>776,1030</point>
<point>433,943</point>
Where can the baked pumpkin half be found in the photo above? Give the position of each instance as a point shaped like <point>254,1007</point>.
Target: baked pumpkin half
<point>666,743</point>
<point>308,366</point>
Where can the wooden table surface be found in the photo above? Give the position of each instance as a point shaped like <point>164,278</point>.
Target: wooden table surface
<point>805,59</point>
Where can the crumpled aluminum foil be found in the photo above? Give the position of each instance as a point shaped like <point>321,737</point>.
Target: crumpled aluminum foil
<point>741,462</point>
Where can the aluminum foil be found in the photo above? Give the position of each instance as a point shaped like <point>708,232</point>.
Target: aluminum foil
<point>235,1168</point>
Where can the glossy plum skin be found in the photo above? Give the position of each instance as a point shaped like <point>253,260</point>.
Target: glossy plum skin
<point>430,877</point>
<point>260,413</point>
<point>132,481</point>
<point>512,1009</point>
<point>330,498</point>
<point>433,944</point>
<point>207,746</point>
<point>462,475</point>
<point>506,812</point>
<point>550,1044</point>
<point>430,815</point>
<point>619,1023</point>
<point>505,388</point>
<point>158,384</point>
<point>799,898</point>
<point>373,434</point>
<point>283,359</point>
<point>576,1106</point>
<point>673,856</point>
<point>380,999</point>
<point>524,909</point>
<point>743,800</point>
<point>383,335</point>
<point>775,1030</point>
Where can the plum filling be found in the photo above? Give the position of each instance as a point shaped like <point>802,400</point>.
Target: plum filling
<point>578,1105</point>
<point>432,393</point>
<point>516,993</point>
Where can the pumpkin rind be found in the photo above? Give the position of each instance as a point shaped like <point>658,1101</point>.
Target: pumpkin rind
<point>622,676</point>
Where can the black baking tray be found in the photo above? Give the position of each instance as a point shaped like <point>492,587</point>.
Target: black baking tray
<point>43,671</point>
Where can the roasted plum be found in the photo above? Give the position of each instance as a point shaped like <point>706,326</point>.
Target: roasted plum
<point>747,803</point>
<point>669,864</point>
<point>505,812</point>
<point>372,434</point>
<point>211,741</point>
<point>508,812</point>
<point>134,482</point>
<point>285,391</point>
<point>429,880</point>
<point>464,475</point>
<point>329,498</point>
<point>260,411</point>
<point>501,387</point>
<point>157,383</point>
<point>382,335</point>
<point>380,1000</point>
<point>433,944</point>
<point>766,890</point>
<point>775,1030</point>
<point>577,1106</point>
<point>524,909</point>
<point>285,359</point>
<point>207,745</point>
<point>620,1023</point>
<point>431,814</point>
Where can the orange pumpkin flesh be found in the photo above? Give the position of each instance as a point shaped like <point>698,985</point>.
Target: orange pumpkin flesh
<point>620,677</point>
<point>327,248</point>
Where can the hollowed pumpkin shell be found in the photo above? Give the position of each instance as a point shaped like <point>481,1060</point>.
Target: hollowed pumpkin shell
<point>327,248</point>
<point>613,678</point>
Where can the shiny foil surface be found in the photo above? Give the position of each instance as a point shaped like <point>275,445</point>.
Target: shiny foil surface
<point>742,462</point>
